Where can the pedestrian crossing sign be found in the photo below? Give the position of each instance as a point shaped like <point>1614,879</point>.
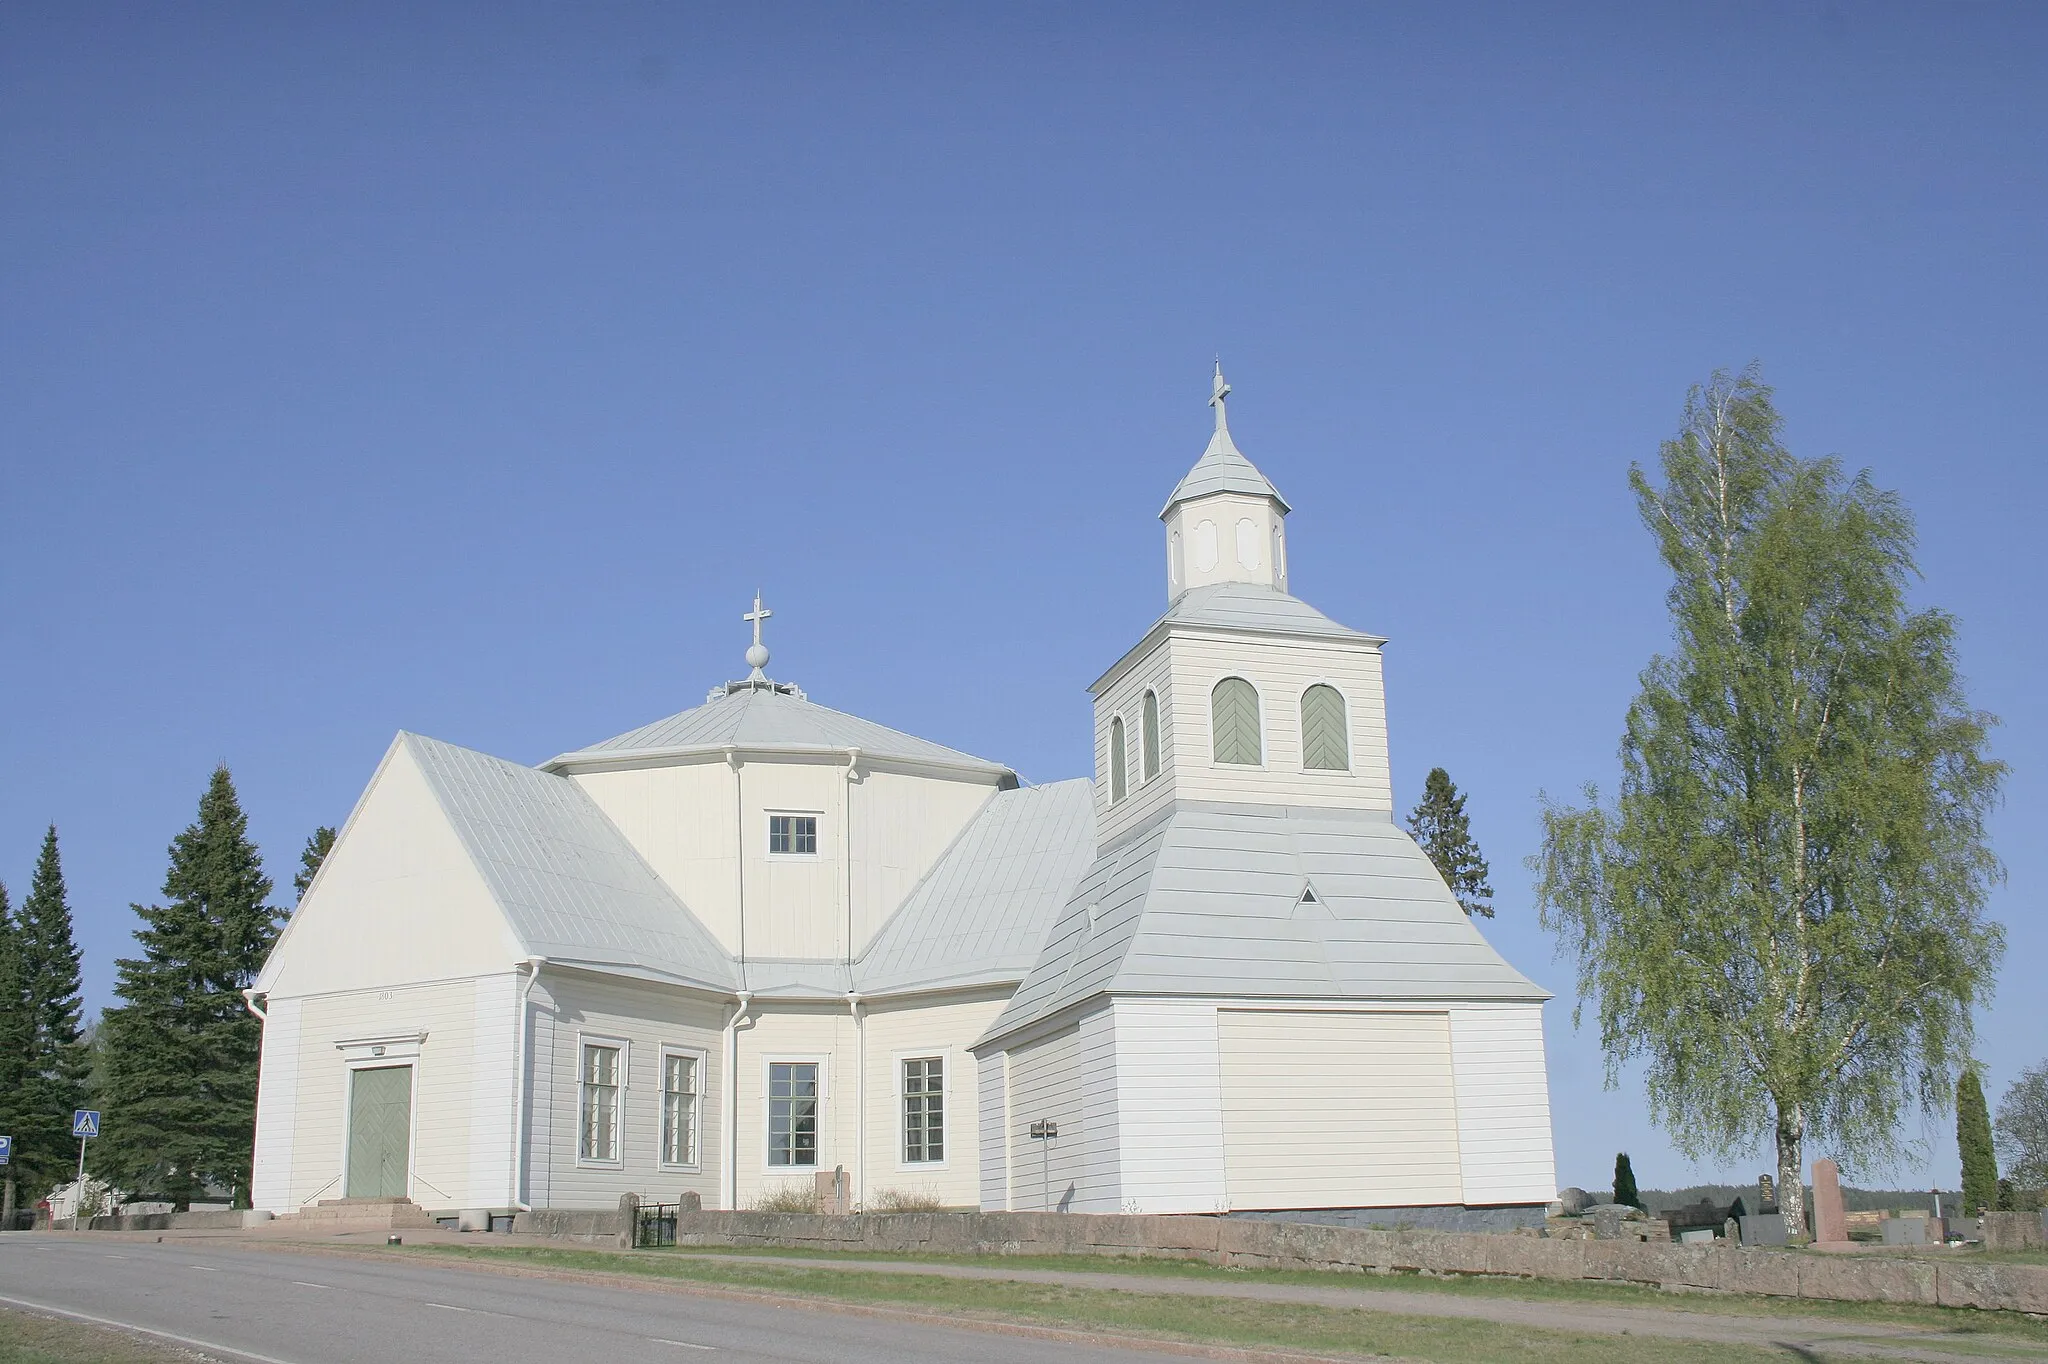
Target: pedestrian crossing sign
<point>85,1122</point>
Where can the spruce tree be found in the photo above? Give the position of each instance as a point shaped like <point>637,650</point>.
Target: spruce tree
<point>1440,825</point>
<point>317,848</point>
<point>54,1062</point>
<point>14,1028</point>
<point>182,1048</point>
<point>1625,1181</point>
<point>1973,1141</point>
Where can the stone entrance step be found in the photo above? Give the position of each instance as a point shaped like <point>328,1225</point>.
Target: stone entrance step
<point>359,1214</point>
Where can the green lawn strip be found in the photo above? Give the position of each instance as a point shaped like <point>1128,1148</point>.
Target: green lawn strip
<point>31,1338</point>
<point>1353,1332</point>
<point>1480,1286</point>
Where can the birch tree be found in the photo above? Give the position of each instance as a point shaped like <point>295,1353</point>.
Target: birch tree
<point>1781,916</point>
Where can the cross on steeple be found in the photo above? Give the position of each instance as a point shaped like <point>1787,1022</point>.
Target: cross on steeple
<point>1220,391</point>
<point>757,654</point>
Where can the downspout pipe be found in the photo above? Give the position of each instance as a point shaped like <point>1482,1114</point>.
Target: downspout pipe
<point>860,1101</point>
<point>249,1002</point>
<point>732,1100</point>
<point>522,1100</point>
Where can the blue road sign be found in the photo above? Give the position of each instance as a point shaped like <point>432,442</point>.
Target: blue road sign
<point>85,1122</point>
<point>6,1149</point>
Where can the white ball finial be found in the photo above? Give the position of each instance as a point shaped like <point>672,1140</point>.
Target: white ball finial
<point>757,656</point>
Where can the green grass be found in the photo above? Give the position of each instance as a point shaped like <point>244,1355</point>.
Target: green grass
<point>1475,1286</point>
<point>30,1338</point>
<point>1352,1332</point>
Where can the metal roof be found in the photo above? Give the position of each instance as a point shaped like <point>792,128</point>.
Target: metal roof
<point>1252,606</point>
<point>569,884</point>
<point>1222,469</point>
<point>763,719</point>
<point>1208,901</point>
<point>1243,607</point>
<point>982,912</point>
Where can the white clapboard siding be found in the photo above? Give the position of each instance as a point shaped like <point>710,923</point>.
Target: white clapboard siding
<point>1281,670</point>
<point>1330,1109</point>
<point>992,1087</point>
<point>1503,1104</point>
<point>277,1103</point>
<point>1170,1106</point>
<point>1045,1086</point>
<point>644,1019</point>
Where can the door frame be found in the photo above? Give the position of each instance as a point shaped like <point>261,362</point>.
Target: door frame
<point>410,1064</point>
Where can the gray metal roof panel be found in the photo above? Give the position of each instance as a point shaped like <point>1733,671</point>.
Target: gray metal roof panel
<point>569,884</point>
<point>982,912</point>
<point>1222,469</point>
<point>1209,903</point>
<point>1250,606</point>
<point>764,719</point>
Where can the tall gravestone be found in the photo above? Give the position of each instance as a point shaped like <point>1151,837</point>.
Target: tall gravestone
<point>1830,1222</point>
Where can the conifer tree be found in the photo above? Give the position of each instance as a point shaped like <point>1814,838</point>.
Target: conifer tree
<point>1441,826</point>
<point>1625,1181</point>
<point>54,1062</point>
<point>317,848</point>
<point>1973,1142</point>
<point>182,1048</point>
<point>14,1029</point>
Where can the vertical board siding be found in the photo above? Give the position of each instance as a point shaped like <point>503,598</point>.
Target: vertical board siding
<point>442,1088</point>
<point>993,1088</point>
<point>1331,1109</point>
<point>645,1018</point>
<point>1169,1107</point>
<point>277,1098</point>
<point>1503,1104</point>
<point>493,1107</point>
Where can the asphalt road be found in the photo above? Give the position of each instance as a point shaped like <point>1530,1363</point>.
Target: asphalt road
<point>276,1307</point>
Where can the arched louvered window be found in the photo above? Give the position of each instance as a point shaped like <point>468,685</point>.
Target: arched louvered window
<point>1148,738</point>
<point>1234,723</point>
<point>1325,745</point>
<point>1116,759</point>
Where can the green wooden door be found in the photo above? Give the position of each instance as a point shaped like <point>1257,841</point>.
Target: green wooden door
<point>379,1131</point>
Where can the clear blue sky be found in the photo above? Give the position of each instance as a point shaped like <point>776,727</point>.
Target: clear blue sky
<point>464,369</point>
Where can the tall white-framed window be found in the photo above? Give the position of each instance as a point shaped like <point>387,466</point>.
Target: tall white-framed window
<point>1325,737</point>
<point>601,1084</point>
<point>681,1077</point>
<point>1117,759</point>
<point>795,1104</point>
<point>1234,723</point>
<point>1148,735</point>
<point>792,835</point>
<point>924,1109</point>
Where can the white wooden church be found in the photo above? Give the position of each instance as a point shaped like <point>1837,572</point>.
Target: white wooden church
<point>762,939</point>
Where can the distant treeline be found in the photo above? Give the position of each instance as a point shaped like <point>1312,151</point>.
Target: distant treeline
<point>1853,1199</point>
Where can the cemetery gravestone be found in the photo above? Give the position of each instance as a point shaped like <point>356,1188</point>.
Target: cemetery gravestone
<point>1830,1222</point>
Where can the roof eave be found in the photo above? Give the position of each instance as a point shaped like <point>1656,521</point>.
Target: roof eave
<point>586,760</point>
<point>1166,625</point>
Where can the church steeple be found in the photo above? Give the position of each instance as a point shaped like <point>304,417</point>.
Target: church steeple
<point>1224,519</point>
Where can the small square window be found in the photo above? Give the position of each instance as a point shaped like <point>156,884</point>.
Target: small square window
<point>794,835</point>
